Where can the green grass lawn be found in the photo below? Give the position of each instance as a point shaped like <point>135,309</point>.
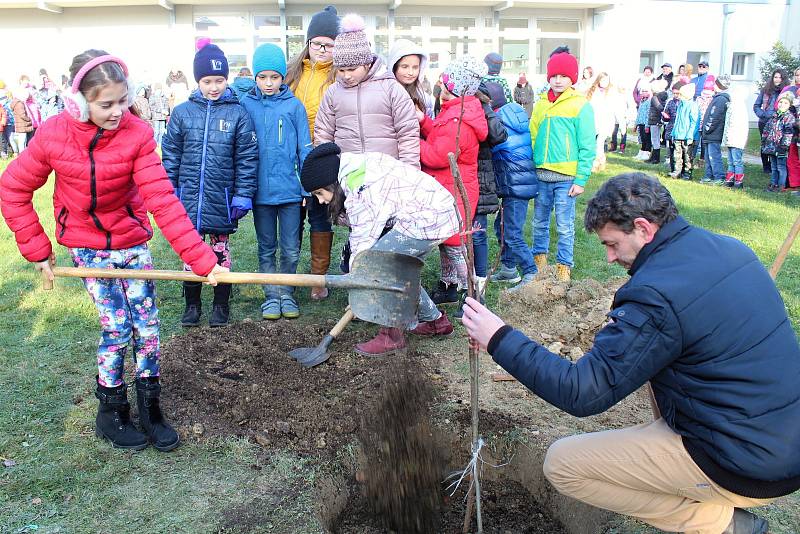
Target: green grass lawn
<point>64,480</point>
<point>753,146</point>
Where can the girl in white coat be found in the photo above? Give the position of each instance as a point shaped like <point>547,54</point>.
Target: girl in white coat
<point>734,136</point>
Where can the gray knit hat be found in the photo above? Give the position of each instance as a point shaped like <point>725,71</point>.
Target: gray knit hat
<point>351,45</point>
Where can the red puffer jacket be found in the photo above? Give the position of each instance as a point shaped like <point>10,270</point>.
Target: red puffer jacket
<point>106,182</point>
<point>439,138</point>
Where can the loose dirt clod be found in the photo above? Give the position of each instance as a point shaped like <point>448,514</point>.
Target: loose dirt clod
<point>404,466</point>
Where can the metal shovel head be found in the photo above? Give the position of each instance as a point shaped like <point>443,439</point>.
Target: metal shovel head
<point>386,308</point>
<point>313,356</point>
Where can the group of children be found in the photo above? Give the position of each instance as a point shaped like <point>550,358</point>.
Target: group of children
<point>380,167</point>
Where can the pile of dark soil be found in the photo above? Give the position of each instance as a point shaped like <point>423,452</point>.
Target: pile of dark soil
<point>239,380</point>
<point>507,508</point>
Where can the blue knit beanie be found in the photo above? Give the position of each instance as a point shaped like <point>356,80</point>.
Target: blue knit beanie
<point>209,60</point>
<point>269,57</point>
<point>494,62</point>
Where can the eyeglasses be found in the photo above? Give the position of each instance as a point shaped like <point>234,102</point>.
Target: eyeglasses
<point>316,45</point>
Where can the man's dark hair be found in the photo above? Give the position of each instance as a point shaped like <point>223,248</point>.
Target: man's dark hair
<point>626,197</point>
<point>560,50</point>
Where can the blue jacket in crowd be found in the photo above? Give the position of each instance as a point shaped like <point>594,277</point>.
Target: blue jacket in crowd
<point>687,120</point>
<point>699,82</point>
<point>210,153</point>
<point>765,110</point>
<point>514,169</point>
<point>284,141</point>
<point>702,321</point>
<point>242,85</point>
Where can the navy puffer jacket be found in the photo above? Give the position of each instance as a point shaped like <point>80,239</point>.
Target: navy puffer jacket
<point>725,381</point>
<point>487,200</point>
<point>513,160</point>
<point>210,153</point>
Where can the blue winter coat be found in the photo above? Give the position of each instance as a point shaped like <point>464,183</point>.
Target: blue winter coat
<point>242,85</point>
<point>284,141</point>
<point>211,156</point>
<point>687,120</point>
<point>514,169</point>
<point>758,106</point>
<point>725,381</point>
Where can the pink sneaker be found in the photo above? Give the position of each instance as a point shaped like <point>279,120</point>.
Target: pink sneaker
<point>438,327</point>
<point>388,341</point>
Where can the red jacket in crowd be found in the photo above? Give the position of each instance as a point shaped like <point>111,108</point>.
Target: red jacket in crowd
<point>106,182</point>
<point>439,138</point>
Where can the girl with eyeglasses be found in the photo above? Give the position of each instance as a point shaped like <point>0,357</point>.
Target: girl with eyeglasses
<point>308,75</point>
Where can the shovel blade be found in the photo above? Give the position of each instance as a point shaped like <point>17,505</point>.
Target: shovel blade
<point>386,308</point>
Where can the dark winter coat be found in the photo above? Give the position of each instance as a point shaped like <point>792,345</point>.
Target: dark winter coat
<point>726,382</point>
<point>667,77</point>
<point>513,160</point>
<point>714,121</point>
<point>671,109</point>
<point>284,141</point>
<point>657,103</point>
<point>487,200</point>
<point>764,106</point>
<point>778,134</point>
<point>105,183</point>
<point>211,155</point>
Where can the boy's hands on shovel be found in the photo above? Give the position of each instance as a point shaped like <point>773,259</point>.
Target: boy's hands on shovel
<point>46,267</point>
<point>212,280</point>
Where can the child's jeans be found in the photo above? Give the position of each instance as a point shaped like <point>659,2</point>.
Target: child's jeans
<point>715,170</point>
<point>394,241</point>
<point>779,170</point>
<point>553,197</point>
<point>317,216</point>
<point>655,136</point>
<point>735,162</point>
<point>127,310</point>
<point>276,226</point>
<point>454,265</point>
<point>480,246</point>
<point>514,250</point>
<point>159,129</point>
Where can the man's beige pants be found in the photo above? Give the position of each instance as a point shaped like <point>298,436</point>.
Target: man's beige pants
<point>645,472</point>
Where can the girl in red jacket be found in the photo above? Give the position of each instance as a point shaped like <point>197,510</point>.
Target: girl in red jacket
<point>460,81</point>
<point>108,176</point>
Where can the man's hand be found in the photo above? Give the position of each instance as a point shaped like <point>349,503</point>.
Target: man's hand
<point>575,190</point>
<point>481,324</point>
<point>212,280</point>
<point>46,266</point>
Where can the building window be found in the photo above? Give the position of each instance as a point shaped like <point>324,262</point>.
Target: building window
<point>382,44</point>
<point>506,24</point>
<point>294,22</point>
<point>693,58</point>
<point>453,23</point>
<point>267,21</point>
<point>546,45</point>
<point>651,58</point>
<point>557,26</point>
<point>742,65</point>
<point>381,23</point>
<point>407,23</point>
<point>295,45</point>
<point>515,54</point>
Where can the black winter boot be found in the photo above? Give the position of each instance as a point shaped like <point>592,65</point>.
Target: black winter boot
<point>191,315</point>
<point>655,156</point>
<point>744,522</point>
<point>113,420</point>
<point>162,436</point>
<point>221,311</point>
<point>445,293</point>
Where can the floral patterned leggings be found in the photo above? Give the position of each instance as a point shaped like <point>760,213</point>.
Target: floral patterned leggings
<point>127,310</point>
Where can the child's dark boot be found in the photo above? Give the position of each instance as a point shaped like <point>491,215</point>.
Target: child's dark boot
<point>221,311</point>
<point>114,421</point>
<point>191,315</point>
<point>445,293</point>
<point>161,434</point>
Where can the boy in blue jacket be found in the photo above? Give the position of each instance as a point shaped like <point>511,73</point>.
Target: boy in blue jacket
<point>284,141</point>
<point>517,184</point>
<point>211,155</point>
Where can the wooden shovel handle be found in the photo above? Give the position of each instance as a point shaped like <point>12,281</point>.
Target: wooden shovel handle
<point>785,248</point>
<point>306,280</point>
<point>343,322</point>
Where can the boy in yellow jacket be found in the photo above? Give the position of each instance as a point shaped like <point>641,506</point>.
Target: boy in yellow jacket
<point>563,135</point>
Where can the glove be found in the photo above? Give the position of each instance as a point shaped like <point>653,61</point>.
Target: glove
<point>240,206</point>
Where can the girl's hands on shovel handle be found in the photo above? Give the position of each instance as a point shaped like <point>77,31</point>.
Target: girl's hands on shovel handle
<point>46,268</point>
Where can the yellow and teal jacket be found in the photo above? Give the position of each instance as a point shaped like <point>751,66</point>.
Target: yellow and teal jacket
<point>563,135</point>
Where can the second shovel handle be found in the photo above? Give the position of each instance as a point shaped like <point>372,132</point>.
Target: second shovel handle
<point>343,322</point>
<point>307,280</point>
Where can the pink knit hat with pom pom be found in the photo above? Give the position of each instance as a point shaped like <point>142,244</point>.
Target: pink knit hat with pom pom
<point>351,46</point>
<point>209,60</point>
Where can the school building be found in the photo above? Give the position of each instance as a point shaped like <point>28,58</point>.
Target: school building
<point>154,36</point>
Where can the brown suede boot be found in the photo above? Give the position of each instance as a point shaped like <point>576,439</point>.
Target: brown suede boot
<point>563,272</point>
<point>320,260</point>
<point>540,260</point>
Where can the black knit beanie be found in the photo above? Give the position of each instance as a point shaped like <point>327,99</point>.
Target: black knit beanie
<point>321,167</point>
<point>324,23</point>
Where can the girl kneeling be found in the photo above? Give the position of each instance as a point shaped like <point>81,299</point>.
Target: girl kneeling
<point>370,192</point>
